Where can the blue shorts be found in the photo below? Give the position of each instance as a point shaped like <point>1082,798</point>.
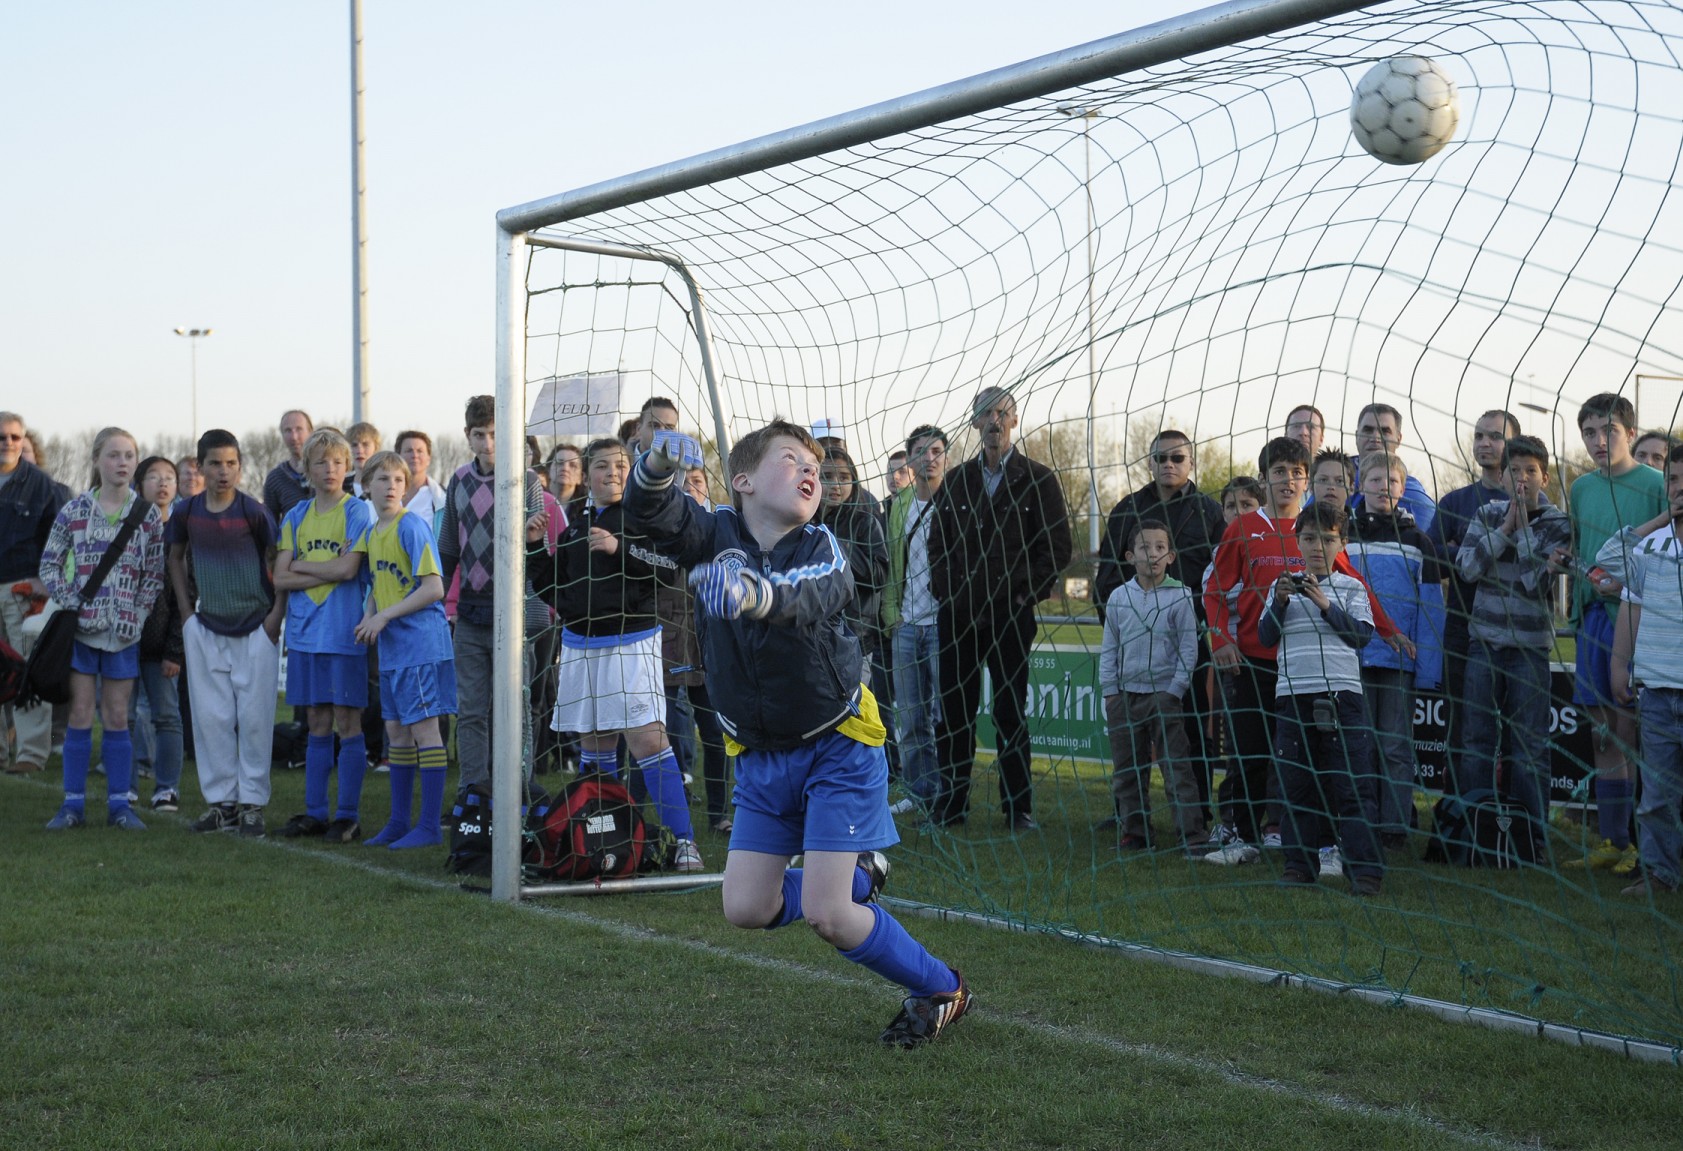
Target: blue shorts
<point>831,795</point>
<point>411,694</point>
<point>1592,684</point>
<point>123,664</point>
<point>326,679</point>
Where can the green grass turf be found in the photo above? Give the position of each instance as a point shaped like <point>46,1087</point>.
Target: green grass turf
<point>172,990</point>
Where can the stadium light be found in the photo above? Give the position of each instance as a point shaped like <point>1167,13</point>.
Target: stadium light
<point>194,335</point>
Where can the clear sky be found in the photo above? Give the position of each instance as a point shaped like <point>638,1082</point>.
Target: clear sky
<point>188,163</point>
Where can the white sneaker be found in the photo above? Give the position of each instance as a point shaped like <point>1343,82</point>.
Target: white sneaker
<point>1271,841</point>
<point>688,857</point>
<point>1332,862</point>
<point>1233,853</point>
<point>384,767</point>
<point>904,807</point>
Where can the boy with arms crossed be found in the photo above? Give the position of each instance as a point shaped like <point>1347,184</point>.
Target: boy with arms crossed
<point>417,664</point>
<point>1321,619</point>
<point>1145,667</point>
<point>811,775</point>
<point>1620,492</point>
<point>1650,628</point>
<point>326,669</point>
<point>230,627</point>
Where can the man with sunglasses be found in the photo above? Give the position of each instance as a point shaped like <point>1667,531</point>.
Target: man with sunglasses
<point>29,503</point>
<point>1195,526</point>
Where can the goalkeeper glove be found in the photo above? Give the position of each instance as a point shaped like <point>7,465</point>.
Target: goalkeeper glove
<point>671,452</point>
<point>728,592</point>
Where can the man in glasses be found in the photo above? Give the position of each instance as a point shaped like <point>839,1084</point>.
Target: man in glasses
<point>29,503</point>
<point>1195,526</point>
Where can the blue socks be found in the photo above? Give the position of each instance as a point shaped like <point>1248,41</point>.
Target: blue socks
<point>897,957</point>
<point>1613,802</point>
<point>605,762</point>
<point>402,777</point>
<point>665,783</point>
<point>318,765</point>
<point>792,879</point>
<point>433,764</point>
<point>117,749</point>
<point>78,753</point>
<point>353,765</point>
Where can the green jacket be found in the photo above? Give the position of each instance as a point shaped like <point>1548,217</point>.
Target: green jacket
<point>899,511</point>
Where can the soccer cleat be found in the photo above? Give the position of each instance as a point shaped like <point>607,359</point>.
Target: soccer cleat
<point>1271,841</point>
<point>342,831</point>
<point>387,835</point>
<point>1629,861</point>
<point>124,819</point>
<point>1602,857</point>
<point>1332,862</point>
<point>166,800</point>
<point>687,858</point>
<point>922,1019</point>
<point>220,817</point>
<point>250,820</point>
<point>300,826</point>
<point>876,866</point>
<point>67,818</point>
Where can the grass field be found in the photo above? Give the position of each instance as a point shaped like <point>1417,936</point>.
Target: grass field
<point>171,990</point>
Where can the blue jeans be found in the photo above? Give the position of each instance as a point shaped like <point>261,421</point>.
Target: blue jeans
<point>917,705</point>
<point>1319,773</point>
<point>1659,831</point>
<point>165,703</point>
<point>1507,704</point>
<point>1390,701</point>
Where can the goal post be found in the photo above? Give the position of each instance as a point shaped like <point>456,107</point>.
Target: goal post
<point>1177,229</point>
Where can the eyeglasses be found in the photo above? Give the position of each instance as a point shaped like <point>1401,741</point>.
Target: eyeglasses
<point>1170,457</point>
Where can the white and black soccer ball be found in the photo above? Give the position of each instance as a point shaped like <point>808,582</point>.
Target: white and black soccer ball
<point>1405,109</point>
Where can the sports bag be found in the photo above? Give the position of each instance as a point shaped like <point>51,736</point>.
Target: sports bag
<point>592,830</point>
<point>12,667</point>
<point>470,830</point>
<point>1479,830</point>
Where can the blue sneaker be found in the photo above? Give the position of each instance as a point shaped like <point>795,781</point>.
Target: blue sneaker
<point>67,818</point>
<point>124,819</point>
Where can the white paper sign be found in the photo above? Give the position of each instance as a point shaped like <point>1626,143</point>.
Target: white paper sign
<point>576,406</point>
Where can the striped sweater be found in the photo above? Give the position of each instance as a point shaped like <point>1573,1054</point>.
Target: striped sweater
<point>1511,599</point>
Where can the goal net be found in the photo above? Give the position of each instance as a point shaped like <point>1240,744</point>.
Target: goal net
<point>1175,229</point>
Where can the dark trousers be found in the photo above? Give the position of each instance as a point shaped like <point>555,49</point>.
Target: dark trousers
<point>1456,644</point>
<point>1204,747</point>
<point>996,638</point>
<point>1245,791</point>
<point>1324,767</point>
<point>546,742</point>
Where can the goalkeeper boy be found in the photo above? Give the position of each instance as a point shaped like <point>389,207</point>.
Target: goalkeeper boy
<point>785,674</point>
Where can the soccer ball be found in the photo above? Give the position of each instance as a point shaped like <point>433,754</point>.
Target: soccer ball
<point>1405,109</point>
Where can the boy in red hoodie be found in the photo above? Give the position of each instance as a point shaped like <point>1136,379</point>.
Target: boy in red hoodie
<point>1256,549</point>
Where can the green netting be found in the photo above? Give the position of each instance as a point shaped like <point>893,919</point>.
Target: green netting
<point>1206,250</point>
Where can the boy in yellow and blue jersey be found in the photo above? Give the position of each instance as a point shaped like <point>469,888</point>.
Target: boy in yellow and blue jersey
<point>785,673</point>
<point>326,669</point>
<point>417,662</point>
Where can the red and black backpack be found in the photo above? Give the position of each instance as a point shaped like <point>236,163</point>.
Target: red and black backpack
<point>592,830</point>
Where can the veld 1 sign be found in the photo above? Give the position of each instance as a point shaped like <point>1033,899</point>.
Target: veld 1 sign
<point>1066,720</point>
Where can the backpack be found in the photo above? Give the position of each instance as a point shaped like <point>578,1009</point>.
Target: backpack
<point>1478,830</point>
<point>592,830</point>
<point>470,830</point>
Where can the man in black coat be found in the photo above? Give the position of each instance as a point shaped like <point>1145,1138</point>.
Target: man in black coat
<point>1195,526</point>
<point>998,544</point>
<point>29,503</point>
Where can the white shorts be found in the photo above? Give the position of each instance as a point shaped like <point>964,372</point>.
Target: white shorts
<point>610,688</point>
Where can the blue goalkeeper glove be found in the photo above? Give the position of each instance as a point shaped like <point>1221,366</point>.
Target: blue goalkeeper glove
<point>728,592</point>
<point>671,452</point>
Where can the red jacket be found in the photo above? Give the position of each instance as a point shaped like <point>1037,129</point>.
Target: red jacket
<point>1255,550</point>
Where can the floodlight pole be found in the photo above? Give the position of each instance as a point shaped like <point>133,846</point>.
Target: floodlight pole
<point>194,335</point>
<point>359,230</point>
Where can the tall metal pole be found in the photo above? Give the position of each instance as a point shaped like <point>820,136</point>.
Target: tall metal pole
<point>1092,369</point>
<point>359,230</point>
<point>508,700</point>
<point>194,335</point>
